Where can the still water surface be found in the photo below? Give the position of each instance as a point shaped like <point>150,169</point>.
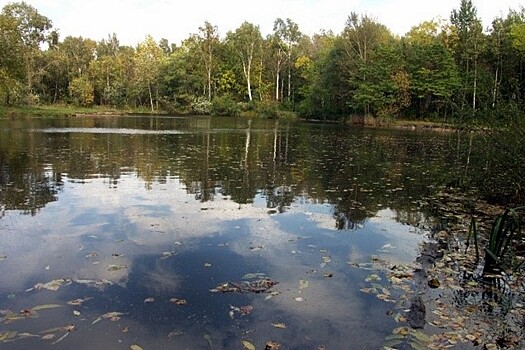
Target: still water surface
<point>128,213</point>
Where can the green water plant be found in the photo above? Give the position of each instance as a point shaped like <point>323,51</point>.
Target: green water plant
<point>505,239</point>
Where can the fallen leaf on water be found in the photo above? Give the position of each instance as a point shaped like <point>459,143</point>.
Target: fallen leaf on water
<point>165,255</point>
<point>135,347</point>
<point>149,300</point>
<point>177,301</point>
<point>175,333</point>
<point>298,299</point>
<point>373,278</point>
<point>7,335</point>
<point>45,307</point>
<point>279,325</point>
<point>246,310</point>
<point>112,267</point>
<point>112,316</point>
<point>76,313</point>
<point>272,345</point>
<point>303,284</point>
<point>125,329</point>
<point>78,302</point>
<point>53,285</point>
<point>247,345</point>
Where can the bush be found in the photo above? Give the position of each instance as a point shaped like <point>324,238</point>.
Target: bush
<point>82,91</point>
<point>224,106</point>
<point>201,106</point>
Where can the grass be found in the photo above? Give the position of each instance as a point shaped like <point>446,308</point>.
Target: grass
<point>51,111</point>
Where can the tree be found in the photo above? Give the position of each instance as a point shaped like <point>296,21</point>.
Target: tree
<point>361,37</point>
<point>287,37</point>
<point>33,30</point>
<point>208,41</point>
<point>469,47</point>
<point>149,58</point>
<point>433,72</point>
<point>245,42</point>
<point>11,68</point>
<point>81,91</point>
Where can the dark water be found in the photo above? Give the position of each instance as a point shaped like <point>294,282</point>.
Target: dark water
<point>136,209</point>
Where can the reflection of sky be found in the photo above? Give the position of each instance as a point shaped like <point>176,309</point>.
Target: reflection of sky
<point>141,224</point>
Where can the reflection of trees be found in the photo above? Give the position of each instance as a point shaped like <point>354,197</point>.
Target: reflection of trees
<point>25,184</point>
<point>357,171</point>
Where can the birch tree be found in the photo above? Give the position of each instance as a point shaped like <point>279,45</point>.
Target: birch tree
<point>246,42</point>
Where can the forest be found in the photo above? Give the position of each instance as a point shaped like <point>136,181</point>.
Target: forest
<point>445,70</point>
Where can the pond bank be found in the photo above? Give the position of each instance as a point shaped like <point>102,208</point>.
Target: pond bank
<point>447,296</point>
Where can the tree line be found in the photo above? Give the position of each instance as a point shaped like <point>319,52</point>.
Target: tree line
<point>441,69</point>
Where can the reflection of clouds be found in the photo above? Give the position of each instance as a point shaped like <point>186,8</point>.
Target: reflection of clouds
<point>132,221</point>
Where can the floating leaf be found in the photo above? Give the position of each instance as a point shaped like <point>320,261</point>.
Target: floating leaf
<point>247,345</point>
<point>112,267</point>
<point>165,255</point>
<point>272,345</point>
<point>175,333</point>
<point>303,284</point>
<point>76,313</point>
<point>177,301</point>
<point>45,307</point>
<point>149,300</point>
<point>279,325</point>
<point>78,302</point>
<point>135,347</point>
<point>373,278</point>
<point>246,310</point>
<point>52,285</point>
<point>298,299</point>
<point>6,335</point>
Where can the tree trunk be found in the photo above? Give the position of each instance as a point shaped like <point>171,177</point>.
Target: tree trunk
<point>150,97</point>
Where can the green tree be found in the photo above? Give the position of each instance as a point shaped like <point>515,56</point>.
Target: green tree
<point>149,59</point>
<point>208,42</point>
<point>81,91</point>
<point>469,48</point>
<point>245,43</point>
<point>433,72</point>
<point>361,37</point>
<point>33,30</point>
<point>11,68</point>
<point>287,37</point>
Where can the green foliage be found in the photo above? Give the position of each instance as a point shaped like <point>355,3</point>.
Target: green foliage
<point>81,91</point>
<point>224,105</point>
<point>504,237</point>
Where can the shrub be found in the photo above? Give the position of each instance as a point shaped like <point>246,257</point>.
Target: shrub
<point>224,106</point>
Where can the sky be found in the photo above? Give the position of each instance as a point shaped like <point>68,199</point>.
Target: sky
<point>174,20</point>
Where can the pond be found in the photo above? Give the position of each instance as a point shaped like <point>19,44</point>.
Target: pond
<point>158,232</point>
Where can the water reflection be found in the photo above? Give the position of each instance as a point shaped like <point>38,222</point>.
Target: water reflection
<point>198,203</point>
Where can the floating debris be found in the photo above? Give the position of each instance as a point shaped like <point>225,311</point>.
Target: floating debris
<point>53,285</point>
<point>113,267</point>
<point>258,286</point>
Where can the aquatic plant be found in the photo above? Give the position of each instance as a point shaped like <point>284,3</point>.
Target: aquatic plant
<point>504,240</point>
